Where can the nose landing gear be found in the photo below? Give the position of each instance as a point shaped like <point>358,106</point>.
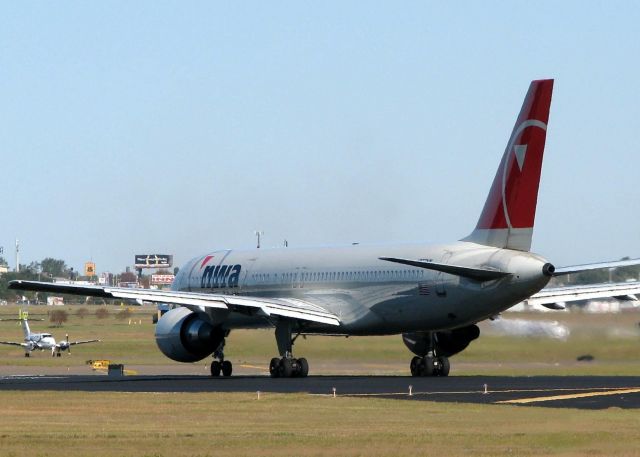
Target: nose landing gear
<point>221,365</point>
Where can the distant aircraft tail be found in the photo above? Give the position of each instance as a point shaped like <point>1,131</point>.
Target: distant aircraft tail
<point>509,213</point>
<point>22,316</point>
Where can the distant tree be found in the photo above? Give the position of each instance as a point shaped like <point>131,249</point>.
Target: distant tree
<point>58,317</point>
<point>124,314</point>
<point>3,261</point>
<point>102,313</point>
<point>55,267</point>
<point>7,294</point>
<point>128,276</point>
<point>82,312</point>
<point>622,274</point>
<point>590,277</point>
<point>145,281</point>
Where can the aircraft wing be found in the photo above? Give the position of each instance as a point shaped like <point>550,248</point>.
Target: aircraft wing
<point>65,344</point>
<point>277,307</point>
<point>72,343</point>
<point>11,343</point>
<point>554,297</point>
<point>595,266</point>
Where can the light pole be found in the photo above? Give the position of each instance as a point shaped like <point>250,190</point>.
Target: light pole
<point>259,234</point>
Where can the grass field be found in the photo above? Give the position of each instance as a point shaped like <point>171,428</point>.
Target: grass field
<point>612,339</point>
<point>126,424</point>
<point>81,424</point>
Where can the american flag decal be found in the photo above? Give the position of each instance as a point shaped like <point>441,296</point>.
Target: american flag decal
<point>423,288</point>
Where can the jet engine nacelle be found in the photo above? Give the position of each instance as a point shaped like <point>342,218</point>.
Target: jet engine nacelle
<point>186,336</point>
<point>446,342</point>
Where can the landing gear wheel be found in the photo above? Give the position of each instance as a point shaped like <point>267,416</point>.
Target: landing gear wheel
<point>216,367</point>
<point>274,368</point>
<point>26,354</point>
<point>286,368</point>
<point>427,366</point>
<point>303,368</point>
<point>443,366</point>
<point>58,354</point>
<point>414,366</point>
<point>227,368</point>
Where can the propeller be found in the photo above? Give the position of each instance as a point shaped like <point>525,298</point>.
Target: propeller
<point>68,345</point>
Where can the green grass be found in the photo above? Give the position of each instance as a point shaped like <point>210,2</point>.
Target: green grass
<point>111,424</point>
<point>214,424</point>
<point>613,340</point>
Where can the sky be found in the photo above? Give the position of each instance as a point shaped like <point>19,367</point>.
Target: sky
<point>181,127</point>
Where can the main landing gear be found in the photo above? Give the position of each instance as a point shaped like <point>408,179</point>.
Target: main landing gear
<point>427,362</point>
<point>221,365</point>
<point>430,366</point>
<point>287,366</point>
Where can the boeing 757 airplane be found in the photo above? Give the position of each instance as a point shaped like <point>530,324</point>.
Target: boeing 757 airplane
<point>42,341</point>
<point>434,295</point>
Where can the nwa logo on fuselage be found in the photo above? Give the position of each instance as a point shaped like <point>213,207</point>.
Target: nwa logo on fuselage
<point>219,276</point>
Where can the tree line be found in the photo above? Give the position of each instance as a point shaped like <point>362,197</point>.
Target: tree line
<point>49,268</point>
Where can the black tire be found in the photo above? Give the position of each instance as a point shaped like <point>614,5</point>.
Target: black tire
<point>154,319</point>
<point>26,354</point>
<point>444,366</point>
<point>286,368</point>
<point>216,367</point>
<point>227,368</point>
<point>274,368</point>
<point>426,366</point>
<point>414,366</point>
<point>303,367</point>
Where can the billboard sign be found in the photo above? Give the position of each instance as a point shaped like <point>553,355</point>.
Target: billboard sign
<point>153,261</point>
<point>89,269</point>
<point>162,280</point>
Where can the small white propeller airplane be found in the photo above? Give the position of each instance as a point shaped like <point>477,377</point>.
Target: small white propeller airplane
<point>41,341</point>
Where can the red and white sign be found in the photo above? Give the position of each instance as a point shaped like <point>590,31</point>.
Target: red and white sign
<point>161,280</point>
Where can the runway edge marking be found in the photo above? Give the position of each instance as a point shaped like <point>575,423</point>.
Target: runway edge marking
<point>520,401</point>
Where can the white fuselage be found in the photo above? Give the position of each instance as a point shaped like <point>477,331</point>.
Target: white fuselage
<point>370,296</point>
<point>41,341</point>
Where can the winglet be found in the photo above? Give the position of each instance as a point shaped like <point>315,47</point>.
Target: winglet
<point>510,209</point>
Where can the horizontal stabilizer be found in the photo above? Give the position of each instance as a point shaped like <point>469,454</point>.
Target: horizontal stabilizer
<point>478,274</point>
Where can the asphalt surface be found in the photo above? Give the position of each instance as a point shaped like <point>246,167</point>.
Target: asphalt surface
<point>582,392</point>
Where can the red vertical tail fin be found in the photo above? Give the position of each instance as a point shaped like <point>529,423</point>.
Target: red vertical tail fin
<point>510,210</point>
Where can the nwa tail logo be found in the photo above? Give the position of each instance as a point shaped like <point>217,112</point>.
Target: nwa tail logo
<point>219,276</point>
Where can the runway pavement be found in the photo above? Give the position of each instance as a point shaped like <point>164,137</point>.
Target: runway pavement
<point>583,392</point>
